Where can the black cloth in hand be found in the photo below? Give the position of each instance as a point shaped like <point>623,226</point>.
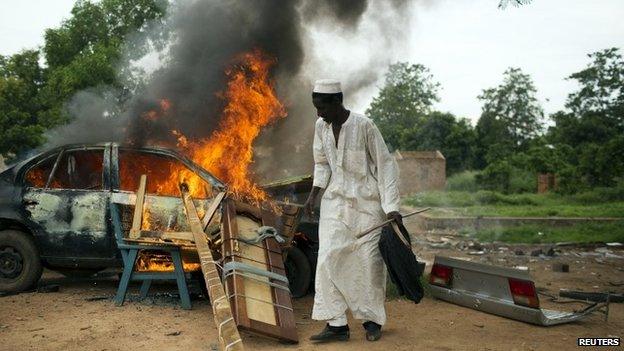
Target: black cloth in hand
<point>403,267</point>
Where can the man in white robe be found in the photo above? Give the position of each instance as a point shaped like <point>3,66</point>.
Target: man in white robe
<point>360,178</point>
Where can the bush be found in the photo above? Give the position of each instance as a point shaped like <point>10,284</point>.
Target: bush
<point>485,197</point>
<point>464,181</point>
<point>600,195</point>
<point>504,177</point>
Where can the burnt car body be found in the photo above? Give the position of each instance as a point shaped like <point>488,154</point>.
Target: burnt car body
<point>54,209</point>
<point>54,206</point>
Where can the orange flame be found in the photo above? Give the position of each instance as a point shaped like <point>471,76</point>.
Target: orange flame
<point>154,262</point>
<point>252,104</point>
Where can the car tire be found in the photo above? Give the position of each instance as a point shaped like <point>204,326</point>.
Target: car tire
<point>20,264</point>
<point>298,272</point>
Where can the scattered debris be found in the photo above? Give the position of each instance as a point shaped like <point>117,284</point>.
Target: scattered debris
<point>591,296</point>
<point>85,328</point>
<point>476,253</point>
<point>610,255</point>
<point>551,252</point>
<point>475,247</point>
<point>34,330</point>
<point>519,252</point>
<point>561,267</point>
<point>615,244</point>
<point>175,333</point>
<point>537,252</point>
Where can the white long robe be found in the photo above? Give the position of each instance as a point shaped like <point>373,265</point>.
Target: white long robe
<point>360,179</point>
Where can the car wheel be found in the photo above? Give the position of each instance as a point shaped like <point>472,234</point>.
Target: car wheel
<point>20,265</point>
<point>298,272</point>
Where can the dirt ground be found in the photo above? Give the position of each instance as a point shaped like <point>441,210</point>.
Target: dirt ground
<point>71,319</point>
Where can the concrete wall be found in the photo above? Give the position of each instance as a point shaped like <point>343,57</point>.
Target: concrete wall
<point>420,171</point>
<point>426,222</point>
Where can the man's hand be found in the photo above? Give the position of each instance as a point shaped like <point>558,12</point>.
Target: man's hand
<point>308,207</point>
<point>396,216</point>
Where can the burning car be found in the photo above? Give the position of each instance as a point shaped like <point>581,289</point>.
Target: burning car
<point>54,209</point>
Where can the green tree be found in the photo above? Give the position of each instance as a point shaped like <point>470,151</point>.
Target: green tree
<point>511,116</point>
<point>20,80</point>
<point>87,50</point>
<point>593,123</point>
<point>407,97</point>
<point>455,138</point>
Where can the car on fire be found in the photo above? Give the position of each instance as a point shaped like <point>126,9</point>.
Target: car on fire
<point>54,209</point>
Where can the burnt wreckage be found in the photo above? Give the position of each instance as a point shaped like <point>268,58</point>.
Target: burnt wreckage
<point>54,210</point>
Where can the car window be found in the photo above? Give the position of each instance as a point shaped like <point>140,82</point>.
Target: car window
<point>79,169</point>
<point>37,176</point>
<point>164,174</point>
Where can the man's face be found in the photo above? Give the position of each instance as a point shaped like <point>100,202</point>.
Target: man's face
<point>328,111</point>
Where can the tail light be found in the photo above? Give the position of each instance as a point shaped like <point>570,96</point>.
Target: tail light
<point>441,275</point>
<point>523,292</point>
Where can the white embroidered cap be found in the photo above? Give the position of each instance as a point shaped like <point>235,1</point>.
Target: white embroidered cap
<point>327,86</point>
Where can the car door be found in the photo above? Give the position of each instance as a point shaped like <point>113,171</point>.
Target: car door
<point>163,210</point>
<point>68,202</point>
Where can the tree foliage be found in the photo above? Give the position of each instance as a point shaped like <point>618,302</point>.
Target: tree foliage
<point>20,80</point>
<point>85,51</point>
<point>407,96</point>
<point>455,138</point>
<point>404,113</point>
<point>511,116</point>
<point>593,123</point>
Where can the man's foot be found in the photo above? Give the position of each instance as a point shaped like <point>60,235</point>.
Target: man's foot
<point>332,334</point>
<point>373,331</point>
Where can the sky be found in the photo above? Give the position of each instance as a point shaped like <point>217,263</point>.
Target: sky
<point>467,44</point>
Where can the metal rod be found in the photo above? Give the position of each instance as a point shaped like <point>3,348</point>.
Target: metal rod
<point>289,204</point>
<point>389,221</point>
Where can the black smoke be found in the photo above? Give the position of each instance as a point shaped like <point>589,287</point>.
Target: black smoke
<point>205,38</point>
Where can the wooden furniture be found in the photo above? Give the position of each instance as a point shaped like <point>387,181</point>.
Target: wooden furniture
<point>254,274</point>
<point>229,338</point>
<point>130,248</point>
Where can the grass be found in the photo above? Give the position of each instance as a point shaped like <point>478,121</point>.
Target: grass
<point>530,234</point>
<point>598,203</point>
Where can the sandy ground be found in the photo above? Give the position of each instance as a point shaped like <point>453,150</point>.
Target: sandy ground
<point>67,320</point>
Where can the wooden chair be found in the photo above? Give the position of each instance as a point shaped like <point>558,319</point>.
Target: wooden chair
<point>130,249</point>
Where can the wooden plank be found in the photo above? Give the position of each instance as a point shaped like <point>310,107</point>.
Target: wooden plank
<point>253,316</point>
<point>236,286</point>
<point>158,242</point>
<point>187,236</point>
<point>229,337</point>
<point>259,291</point>
<point>286,317</point>
<point>138,209</point>
<point>211,211</point>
